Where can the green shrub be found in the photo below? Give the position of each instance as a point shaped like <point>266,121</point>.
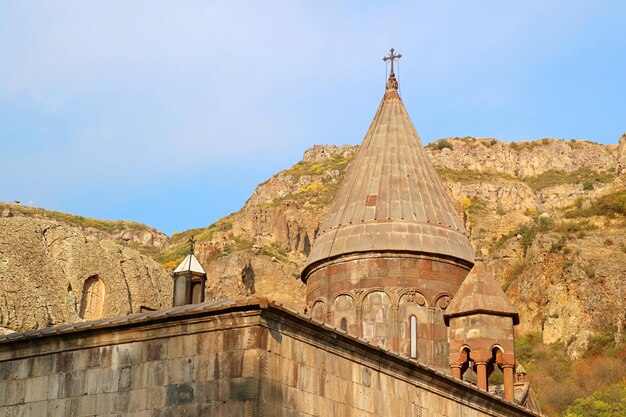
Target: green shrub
<point>609,205</point>
<point>606,402</point>
<point>568,264</point>
<point>558,246</point>
<point>518,146</point>
<point>442,144</point>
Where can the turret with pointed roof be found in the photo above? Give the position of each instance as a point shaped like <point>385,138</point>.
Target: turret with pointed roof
<point>481,320</point>
<point>189,280</point>
<point>392,251</point>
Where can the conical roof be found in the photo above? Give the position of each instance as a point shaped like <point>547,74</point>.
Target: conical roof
<point>190,264</point>
<point>480,293</point>
<point>391,198</point>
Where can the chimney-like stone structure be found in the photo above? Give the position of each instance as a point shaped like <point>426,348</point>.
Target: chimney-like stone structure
<point>392,252</point>
<point>481,320</point>
<point>189,281</point>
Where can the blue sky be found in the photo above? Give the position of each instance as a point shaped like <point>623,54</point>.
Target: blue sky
<point>170,113</point>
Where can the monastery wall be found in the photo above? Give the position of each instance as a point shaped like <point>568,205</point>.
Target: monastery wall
<point>239,360</point>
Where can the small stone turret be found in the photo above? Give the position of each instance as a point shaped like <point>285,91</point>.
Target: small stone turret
<point>481,319</point>
<point>189,281</point>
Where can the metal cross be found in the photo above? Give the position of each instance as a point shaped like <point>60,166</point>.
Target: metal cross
<point>392,57</point>
<point>192,241</point>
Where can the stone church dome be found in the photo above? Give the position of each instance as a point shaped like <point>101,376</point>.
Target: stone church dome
<point>391,198</point>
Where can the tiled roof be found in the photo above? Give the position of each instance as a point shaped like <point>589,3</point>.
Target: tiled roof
<point>119,321</point>
<point>391,198</point>
<point>480,293</point>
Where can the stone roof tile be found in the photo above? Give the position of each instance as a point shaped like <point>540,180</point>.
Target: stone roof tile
<point>480,294</point>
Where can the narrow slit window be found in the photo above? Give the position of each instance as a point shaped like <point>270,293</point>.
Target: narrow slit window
<point>344,324</point>
<point>413,330</point>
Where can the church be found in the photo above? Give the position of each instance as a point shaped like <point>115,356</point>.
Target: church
<point>400,320</point>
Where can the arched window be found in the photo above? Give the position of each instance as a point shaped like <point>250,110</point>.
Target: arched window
<point>413,335</point>
<point>344,324</point>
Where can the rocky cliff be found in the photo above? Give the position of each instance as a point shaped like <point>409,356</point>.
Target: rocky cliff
<point>54,271</point>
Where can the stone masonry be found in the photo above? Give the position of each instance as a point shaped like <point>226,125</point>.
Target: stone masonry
<point>222,359</point>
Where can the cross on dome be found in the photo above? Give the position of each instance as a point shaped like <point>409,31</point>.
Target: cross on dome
<point>192,241</point>
<point>392,57</point>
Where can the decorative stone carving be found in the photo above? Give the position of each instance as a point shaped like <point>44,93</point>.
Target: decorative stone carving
<point>93,298</point>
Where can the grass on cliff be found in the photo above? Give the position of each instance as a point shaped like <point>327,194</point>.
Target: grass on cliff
<point>609,205</point>
<point>314,195</point>
<point>559,382</point>
<point>584,175</point>
<point>108,226</point>
<point>469,176</point>
<point>338,162</point>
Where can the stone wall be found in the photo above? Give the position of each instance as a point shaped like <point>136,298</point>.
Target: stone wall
<point>232,360</point>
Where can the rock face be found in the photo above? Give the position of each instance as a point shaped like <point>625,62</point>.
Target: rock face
<point>522,159</point>
<point>52,273</point>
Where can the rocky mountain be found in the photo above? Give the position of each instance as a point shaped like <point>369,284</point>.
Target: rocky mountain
<point>545,214</point>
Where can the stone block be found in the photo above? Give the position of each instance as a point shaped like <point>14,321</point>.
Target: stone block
<point>99,357</point>
<point>104,403</point>
<point>250,363</point>
<point>41,365</point>
<point>179,394</point>
<point>155,350</point>
<point>36,389</point>
<point>55,408</point>
<point>55,385</point>
<point>241,389</point>
<point>125,377</point>
<point>138,400</point>
<point>179,370</point>
<point>209,342</point>
<point>154,373</point>
<point>126,354</point>
<point>86,406</point>
<point>156,397</point>
<point>209,391</point>
<point>229,364</point>
<point>64,362</point>
<point>109,378</point>
<point>121,401</point>
<point>92,381</point>
<point>182,346</point>
<point>15,393</point>
<point>204,367</point>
